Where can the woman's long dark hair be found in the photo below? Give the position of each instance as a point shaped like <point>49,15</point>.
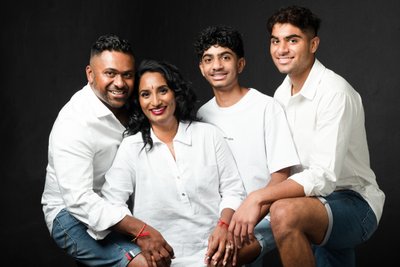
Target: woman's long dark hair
<point>185,98</point>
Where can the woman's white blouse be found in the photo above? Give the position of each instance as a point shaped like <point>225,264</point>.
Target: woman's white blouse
<point>182,198</point>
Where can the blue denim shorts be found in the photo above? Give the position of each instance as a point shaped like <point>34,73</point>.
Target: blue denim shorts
<point>351,222</point>
<point>264,236</point>
<point>71,235</point>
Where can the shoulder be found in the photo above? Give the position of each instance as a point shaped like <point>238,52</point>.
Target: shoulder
<point>208,106</point>
<point>77,110</point>
<point>132,140</point>
<point>334,86</point>
<point>267,102</point>
<point>259,97</point>
<point>205,129</point>
<point>332,82</point>
<point>201,126</point>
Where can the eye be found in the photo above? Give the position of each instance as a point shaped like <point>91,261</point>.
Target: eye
<point>110,74</point>
<point>274,41</point>
<point>127,75</point>
<point>293,41</point>
<point>164,90</point>
<point>226,57</point>
<point>206,60</point>
<point>144,94</point>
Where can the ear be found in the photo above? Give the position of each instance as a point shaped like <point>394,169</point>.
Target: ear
<point>241,64</point>
<point>314,44</point>
<point>201,69</point>
<point>89,74</point>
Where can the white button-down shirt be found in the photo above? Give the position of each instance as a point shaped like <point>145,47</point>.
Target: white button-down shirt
<point>327,122</point>
<point>182,197</point>
<point>82,146</point>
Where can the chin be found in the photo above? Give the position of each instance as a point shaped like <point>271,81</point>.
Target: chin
<point>283,70</point>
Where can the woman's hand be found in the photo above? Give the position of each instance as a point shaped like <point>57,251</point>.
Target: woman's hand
<point>221,247</point>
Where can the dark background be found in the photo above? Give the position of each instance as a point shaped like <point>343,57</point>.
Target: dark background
<point>45,48</point>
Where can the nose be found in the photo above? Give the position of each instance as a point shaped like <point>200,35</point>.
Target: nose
<point>155,100</point>
<point>119,81</point>
<point>283,48</point>
<point>217,64</point>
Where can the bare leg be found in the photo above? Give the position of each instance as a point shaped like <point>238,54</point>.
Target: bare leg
<point>138,261</point>
<point>248,253</point>
<point>296,222</point>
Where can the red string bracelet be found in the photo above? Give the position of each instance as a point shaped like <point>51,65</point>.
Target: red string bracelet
<point>222,223</point>
<point>141,233</point>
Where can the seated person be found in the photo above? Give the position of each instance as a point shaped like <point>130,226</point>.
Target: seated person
<point>180,172</point>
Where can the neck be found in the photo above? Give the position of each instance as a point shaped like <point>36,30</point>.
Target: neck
<point>298,79</point>
<point>166,132</point>
<point>227,98</point>
<point>122,115</point>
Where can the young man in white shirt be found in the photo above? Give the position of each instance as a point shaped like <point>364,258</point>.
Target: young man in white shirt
<point>253,123</point>
<point>332,202</point>
<point>82,145</point>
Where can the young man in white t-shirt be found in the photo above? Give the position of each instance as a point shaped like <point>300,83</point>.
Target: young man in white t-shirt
<point>253,123</point>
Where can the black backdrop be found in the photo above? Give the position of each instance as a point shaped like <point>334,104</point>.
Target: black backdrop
<point>45,48</point>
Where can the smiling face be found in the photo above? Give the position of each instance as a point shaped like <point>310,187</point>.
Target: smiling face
<point>111,76</point>
<point>157,100</point>
<point>292,50</point>
<point>221,67</point>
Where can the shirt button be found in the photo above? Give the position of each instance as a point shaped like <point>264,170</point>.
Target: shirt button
<point>183,194</point>
<point>178,177</point>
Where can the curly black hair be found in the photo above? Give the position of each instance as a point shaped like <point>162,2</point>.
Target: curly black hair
<point>185,98</point>
<point>300,17</point>
<point>221,35</point>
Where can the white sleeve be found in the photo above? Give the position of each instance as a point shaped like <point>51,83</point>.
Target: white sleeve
<point>73,154</point>
<point>330,144</point>
<point>231,185</point>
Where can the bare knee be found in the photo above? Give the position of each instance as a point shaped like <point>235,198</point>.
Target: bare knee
<point>138,261</point>
<point>283,217</point>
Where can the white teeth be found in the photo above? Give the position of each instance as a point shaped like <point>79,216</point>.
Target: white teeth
<point>117,92</point>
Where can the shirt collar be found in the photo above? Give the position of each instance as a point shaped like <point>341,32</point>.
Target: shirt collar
<point>310,86</point>
<point>183,135</point>
<point>98,107</point>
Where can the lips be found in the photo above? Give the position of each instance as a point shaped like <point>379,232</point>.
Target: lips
<point>157,111</point>
<point>284,60</point>
<point>218,76</point>
<point>118,94</point>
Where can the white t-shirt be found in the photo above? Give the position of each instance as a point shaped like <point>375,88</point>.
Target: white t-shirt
<point>327,122</point>
<point>258,135</point>
<point>182,198</point>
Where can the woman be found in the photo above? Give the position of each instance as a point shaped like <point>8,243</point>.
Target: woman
<point>180,172</point>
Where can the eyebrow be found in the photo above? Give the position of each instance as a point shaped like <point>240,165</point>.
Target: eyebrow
<point>288,37</point>
<point>156,88</point>
<point>218,55</point>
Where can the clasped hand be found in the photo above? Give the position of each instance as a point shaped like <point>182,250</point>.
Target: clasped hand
<point>155,248</point>
<point>221,249</point>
